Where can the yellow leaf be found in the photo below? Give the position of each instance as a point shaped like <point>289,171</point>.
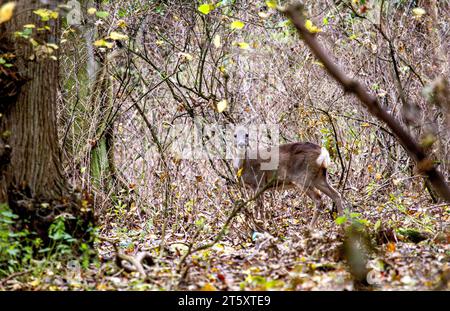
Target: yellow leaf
<point>418,12</point>
<point>92,11</point>
<point>378,176</point>
<point>216,41</point>
<point>6,11</point>
<point>370,168</point>
<point>121,23</point>
<point>271,4</point>
<point>117,36</point>
<point>46,14</point>
<point>29,26</point>
<point>243,45</point>
<point>206,8</point>
<point>103,43</point>
<point>54,14</point>
<point>35,283</point>
<point>311,28</point>
<point>208,287</point>
<point>239,172</point>
<point>365,124</point>
<point>222,105</point>
<point>33,42</point>
<point>102,286</point>
<point>237,25</point>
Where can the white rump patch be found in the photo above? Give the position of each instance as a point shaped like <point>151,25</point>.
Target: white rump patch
<point>323,159</point>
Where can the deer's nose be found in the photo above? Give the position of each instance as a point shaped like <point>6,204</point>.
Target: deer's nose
<point>241,145</point>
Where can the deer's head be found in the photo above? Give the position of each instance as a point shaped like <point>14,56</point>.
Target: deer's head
<point>241,140</point>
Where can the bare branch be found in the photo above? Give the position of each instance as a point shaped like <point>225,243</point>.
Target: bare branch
<point>415,151</point>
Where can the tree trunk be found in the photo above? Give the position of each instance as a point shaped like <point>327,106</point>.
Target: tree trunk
<point>34,174</point>
<point>30,120</point>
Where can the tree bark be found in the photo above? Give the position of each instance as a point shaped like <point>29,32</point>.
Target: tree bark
<point>33,172</point>
<point>30,119</point>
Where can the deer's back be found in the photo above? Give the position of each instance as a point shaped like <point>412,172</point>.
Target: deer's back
<point>297,162</point>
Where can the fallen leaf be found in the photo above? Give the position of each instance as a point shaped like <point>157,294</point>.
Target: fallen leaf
<point>390,247</point>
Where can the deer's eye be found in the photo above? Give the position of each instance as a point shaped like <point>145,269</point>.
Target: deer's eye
<point>235,135</point>
<point>246,135</point>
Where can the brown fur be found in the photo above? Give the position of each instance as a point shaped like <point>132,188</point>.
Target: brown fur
<point>297,167</point>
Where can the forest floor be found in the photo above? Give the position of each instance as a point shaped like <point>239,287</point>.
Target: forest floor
<point>287,257</point>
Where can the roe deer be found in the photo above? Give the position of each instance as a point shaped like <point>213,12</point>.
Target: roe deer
<point>301,164</point>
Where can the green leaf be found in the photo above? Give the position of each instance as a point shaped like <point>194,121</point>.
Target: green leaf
<point>102,14</point>
<point>237,25</point>
<point>9,214</point>
<point>205,8</point>
<point>340,220</point>
<point>377,225</point>
<point>200,223</point>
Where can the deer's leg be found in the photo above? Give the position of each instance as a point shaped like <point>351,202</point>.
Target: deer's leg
<point>258,209</point>
<point>317,199</point>
<point>323,185</point>
<point>260,215</point>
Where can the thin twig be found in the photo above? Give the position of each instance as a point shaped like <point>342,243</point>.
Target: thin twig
<point>221,233</point>
<point>415,151</point>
